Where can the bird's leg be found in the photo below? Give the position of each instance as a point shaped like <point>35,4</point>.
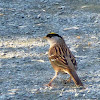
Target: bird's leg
<point>49,84</point>
<point>69,79</point>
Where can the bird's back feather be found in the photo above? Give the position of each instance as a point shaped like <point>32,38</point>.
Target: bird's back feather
<point>62,57</point>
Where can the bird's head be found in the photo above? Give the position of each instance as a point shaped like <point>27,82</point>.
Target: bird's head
<point>53,38</point>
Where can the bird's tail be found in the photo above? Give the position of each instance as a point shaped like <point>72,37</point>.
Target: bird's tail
<point>75,78</point>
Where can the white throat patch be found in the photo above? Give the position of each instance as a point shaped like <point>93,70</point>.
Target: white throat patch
<point>52,41</point>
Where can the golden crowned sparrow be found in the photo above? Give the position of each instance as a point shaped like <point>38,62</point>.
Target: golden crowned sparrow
<point>61,58</point>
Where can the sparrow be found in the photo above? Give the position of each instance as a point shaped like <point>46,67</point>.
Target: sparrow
<point>61,58</point>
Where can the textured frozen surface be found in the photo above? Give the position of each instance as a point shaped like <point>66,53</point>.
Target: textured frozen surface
<point>24,65</point>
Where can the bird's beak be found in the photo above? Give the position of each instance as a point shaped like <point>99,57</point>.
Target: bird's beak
<point>44,37</point>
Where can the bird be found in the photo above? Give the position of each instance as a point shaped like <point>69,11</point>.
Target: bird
<point>61,58</point>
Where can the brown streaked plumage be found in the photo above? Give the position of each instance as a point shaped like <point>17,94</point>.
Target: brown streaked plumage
<point>61,58</point>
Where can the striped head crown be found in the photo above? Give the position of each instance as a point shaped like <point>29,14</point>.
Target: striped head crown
<point>52,34</point>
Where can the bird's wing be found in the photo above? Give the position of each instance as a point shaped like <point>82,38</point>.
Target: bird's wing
<point>61,56</point>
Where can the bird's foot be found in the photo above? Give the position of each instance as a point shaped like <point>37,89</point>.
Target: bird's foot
<point>49,85</point>
<point>68,80</point>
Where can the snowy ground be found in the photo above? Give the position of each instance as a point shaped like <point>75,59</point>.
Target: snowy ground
<point>24,65</point>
